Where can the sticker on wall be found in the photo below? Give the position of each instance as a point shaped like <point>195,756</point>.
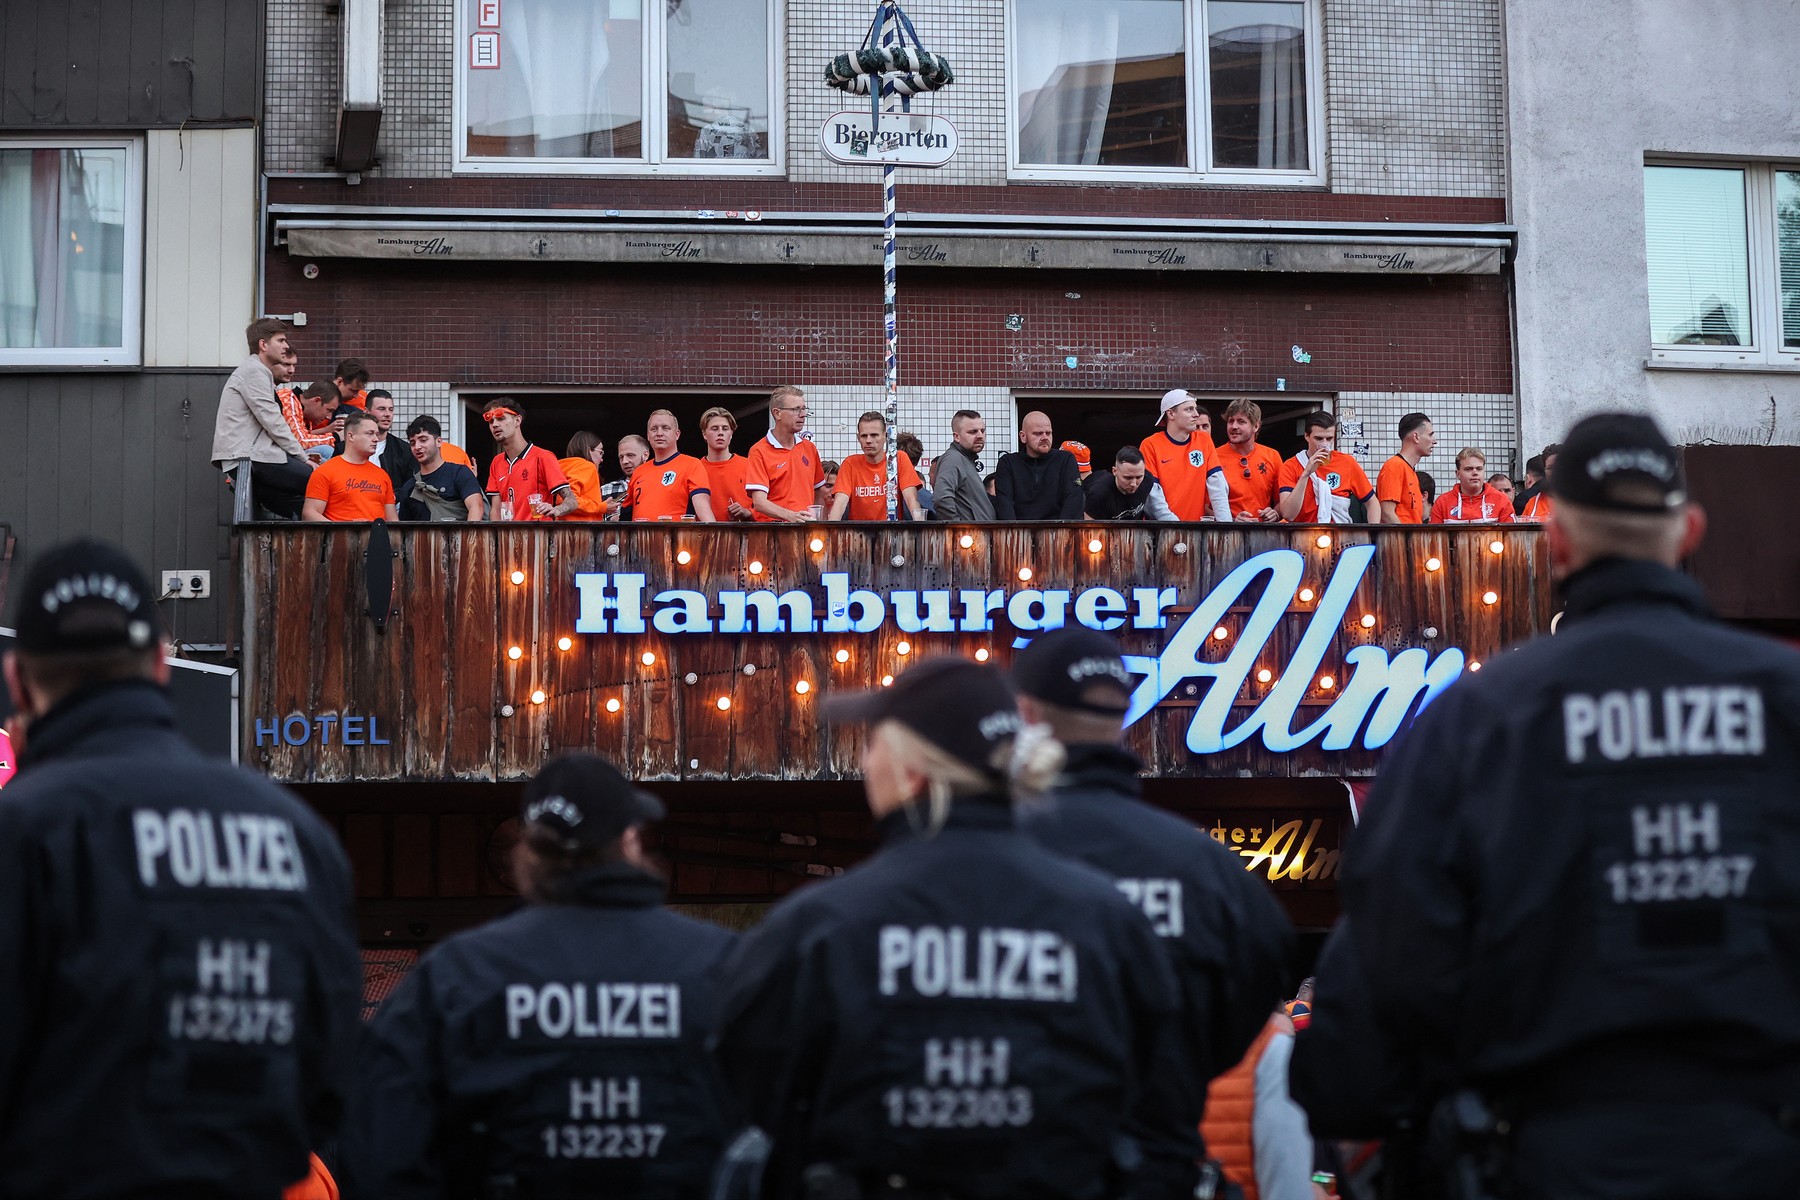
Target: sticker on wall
<point>1070,362</point>
<point>1015,322</point>
<point>484,51</point>
<point>1301,356</point>
<point>487,14</point>
<point>1281,385</point>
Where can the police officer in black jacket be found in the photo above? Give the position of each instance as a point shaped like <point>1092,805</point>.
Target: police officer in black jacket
<point>179,980</point>
<point>965,1015</point>
<point>1575,893</point>
<point>1228,940</point>
<point>560,1051</point>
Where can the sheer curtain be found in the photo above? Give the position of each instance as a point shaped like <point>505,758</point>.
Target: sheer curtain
<point>568,84</point>
<point>1067,56</point>
<point>1257,56</point>
<point>61,248</point>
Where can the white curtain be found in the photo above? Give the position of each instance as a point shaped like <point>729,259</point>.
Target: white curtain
<point>1261,68</point>
<point>1066,56</point>
<point>561,81</point>
<point>60,255</point>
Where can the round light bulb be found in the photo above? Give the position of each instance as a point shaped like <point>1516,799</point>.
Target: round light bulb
<point>899,560</point>
<point>842,656</point>
<point>1324,541</point>
<point>1496,545</point>
<point>1221,633</point>
<point>612,549</point>
<point>565,644</point>
<point>514,653</point>
<point>981,655</point>
<point>749,668</point>
<point>1490,597</point>
<point>903,648</point>
<point>1095,545</point>
<point>1433,563</point>
<point>506,710</point>
<point>1181,547</point>
<point>1474,666</point>
<point>683,557</point>
<point>613,705</point>
<point>538,697</point>
<point>1326,683</point>
<point>518,577</point>
<point>649,658</point>
<point>965,541</point>
<point>887,681</point>
<point>1368,621</point>
<point>1024,574</point>
<point>1264,675</point>
<point>816,545</point>
<point>724,703</point>
<point>1306,595</point>
<point>690,679</point>
<point>801,688</point>
<point>756,567</point>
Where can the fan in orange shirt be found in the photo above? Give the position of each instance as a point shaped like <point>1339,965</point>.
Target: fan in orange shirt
<point>352,383</point>
<point>349,487</point>
<point>725,471</point>
<point>1181,457</point>
<point>861,490</point>
<point>1397,486</point>
<point>671,483</point>
<point>1318,484</point>
<point>786,469</point>
<point>581,468</point>
<point>1473,501</point>
<point>1252,470</point>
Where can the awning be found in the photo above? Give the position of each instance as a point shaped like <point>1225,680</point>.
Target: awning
<point>705,244</point>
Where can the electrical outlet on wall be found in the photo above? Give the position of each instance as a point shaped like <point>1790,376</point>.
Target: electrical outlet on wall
<point>186,584</point>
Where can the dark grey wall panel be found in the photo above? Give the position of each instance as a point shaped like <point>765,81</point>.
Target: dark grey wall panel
<point>125,458</point>
<point>123,64</point>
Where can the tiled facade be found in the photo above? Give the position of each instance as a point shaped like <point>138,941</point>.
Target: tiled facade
<point>1414,100</point>
<point>1486,421</point>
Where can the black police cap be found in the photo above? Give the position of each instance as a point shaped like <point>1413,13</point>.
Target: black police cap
<point>1063,666</point>
<point>585,801</point>
<point>963,708</point>
<point>85,596</point>
<point>1618,461</point>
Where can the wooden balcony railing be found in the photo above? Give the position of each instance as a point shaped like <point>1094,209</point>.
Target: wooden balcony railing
<point>687,651</point>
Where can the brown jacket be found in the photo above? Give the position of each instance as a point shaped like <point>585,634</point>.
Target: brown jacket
<point>250,423</point>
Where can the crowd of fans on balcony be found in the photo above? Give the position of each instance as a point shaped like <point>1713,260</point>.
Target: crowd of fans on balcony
<point>328,452</point>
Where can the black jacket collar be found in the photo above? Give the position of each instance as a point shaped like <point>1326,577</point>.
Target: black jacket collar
<point>1619,582</point>
<point>108,713</point>
<point>1092,767</point>
<point>614,885</point>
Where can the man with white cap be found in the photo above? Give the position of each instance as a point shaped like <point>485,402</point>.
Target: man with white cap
<point>1180,455</point>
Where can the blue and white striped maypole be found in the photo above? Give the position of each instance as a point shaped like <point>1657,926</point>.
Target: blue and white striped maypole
<point>890,37</point>
<point>888,70</point>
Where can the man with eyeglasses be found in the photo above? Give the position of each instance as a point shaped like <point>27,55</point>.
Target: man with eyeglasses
<point>786,470</point>
<point>1252,470</point>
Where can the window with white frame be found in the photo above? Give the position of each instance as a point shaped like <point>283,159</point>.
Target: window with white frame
<point>1722,245</point>
<point>71,252</point>
<point>1221,90</point>
<point>625,85</point>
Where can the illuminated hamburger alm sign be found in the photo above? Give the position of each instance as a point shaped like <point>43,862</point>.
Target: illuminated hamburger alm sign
<point>1380,694</point>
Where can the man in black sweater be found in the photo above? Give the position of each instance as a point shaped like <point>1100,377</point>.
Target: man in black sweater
<point>1040,484</point>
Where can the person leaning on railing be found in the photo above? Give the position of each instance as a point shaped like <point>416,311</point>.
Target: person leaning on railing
<point>250,426</point>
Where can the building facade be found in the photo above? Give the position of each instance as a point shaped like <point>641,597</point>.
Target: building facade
<point>1656,174</point>
<point>602,209</point>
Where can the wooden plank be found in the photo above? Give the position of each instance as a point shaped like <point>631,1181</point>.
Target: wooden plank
<point>474,666</point>
<point>708,665</point>
<point>48,78</point>
<point>244,43</point>
<point>144,85</point>
<point>18,64</point>
<point>81,91</point>
<point>206,101</point>
<point>520,744</point>
<point>175,80</point>
<point>113,64</point>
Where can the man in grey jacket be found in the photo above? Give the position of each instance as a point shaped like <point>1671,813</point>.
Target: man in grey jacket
<point>250,423</point>
<point>958,493</point>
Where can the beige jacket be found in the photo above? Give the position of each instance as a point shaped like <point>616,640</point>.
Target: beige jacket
<point>250,424</point>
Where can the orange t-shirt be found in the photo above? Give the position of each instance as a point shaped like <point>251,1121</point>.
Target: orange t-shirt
<point>1253,478</point>
<point>790,477</point>
<point>351,491</point>
<point>667,488</point>
<point>1342,472</point>
<point>456,454</point>
<point>1182,469</point>
<point>1399,482</point>
<point>866,485</point>
<point>1536,509</point>
<point>584,479</point>
<point>360,400</point>
<point>1454,508</point>
<point>514,481</point>
<point>727,482</point>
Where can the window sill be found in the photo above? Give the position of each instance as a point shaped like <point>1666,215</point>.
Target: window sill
<point>1742,368</point>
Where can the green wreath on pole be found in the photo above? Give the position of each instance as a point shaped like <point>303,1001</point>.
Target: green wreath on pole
<point>908,69</point>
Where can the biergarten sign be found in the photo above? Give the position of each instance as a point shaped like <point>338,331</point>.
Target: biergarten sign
<point>904,139</point>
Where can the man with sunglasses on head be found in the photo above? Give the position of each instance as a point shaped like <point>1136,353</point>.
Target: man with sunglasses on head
<point>1252,470</point>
